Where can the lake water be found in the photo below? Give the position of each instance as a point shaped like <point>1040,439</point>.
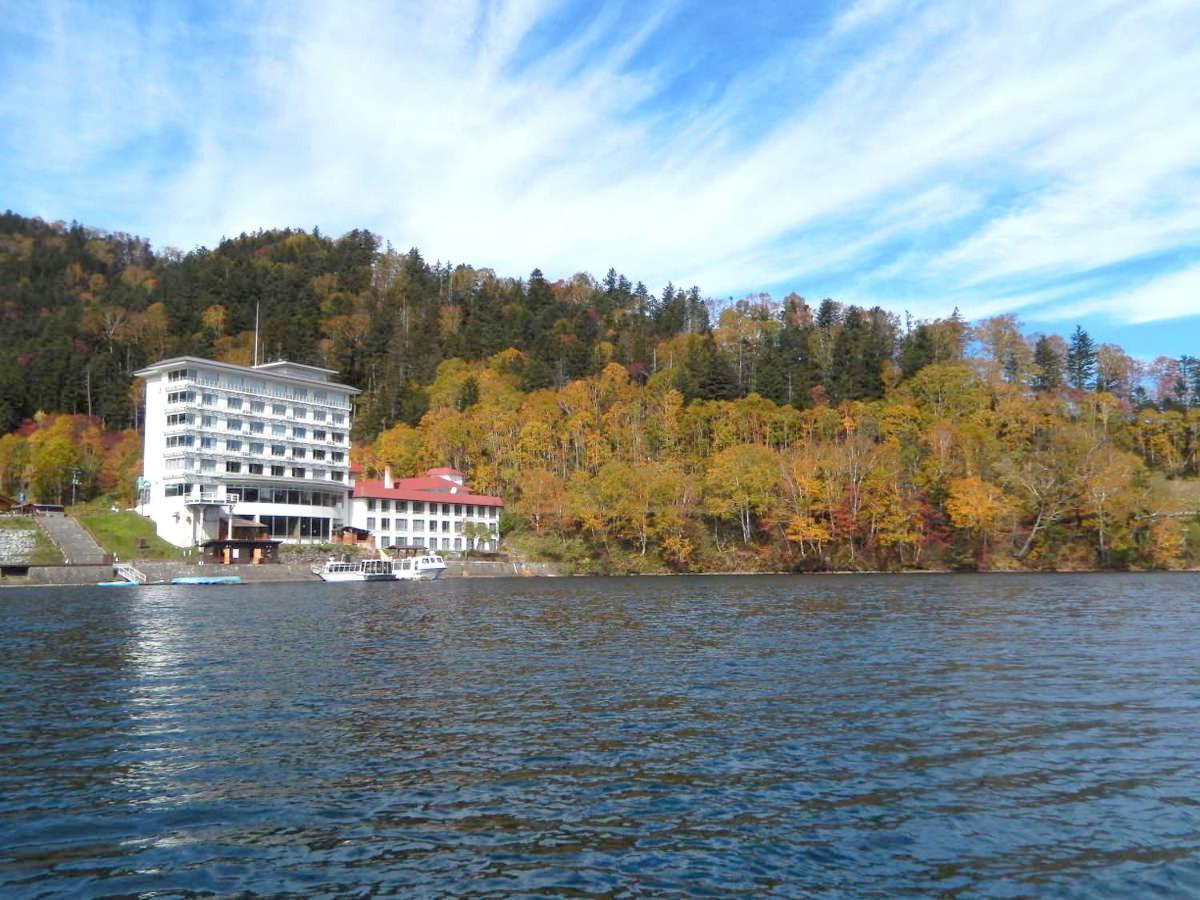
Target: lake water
<point>1001,735</point>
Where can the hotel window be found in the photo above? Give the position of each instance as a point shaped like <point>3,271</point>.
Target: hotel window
<point>337,456</point>
<point>233,466</point>
<point>298,432</point>
<point>257,406</point>
<point>418,524</point>
<point>278,409</point>
<point>299,412</point>
<point>445,525</point>
<point>297,453</point>
<point>385,506</point>
<point>297,472</point>
<point>402,524</point>
<point>385,524</point>
<point>233,424</point>
<point>209,399</point>
<point>208,465</point>
<point>233,402</point>
<point>299,393</point>
<point>177,375</point>
<point>208,421</point>
<point>319,415</point>
<point>278,450</point>
<point>257,448</point>
<point>208,443</point>
<point>179,440</point>
<point>233,446</point>
<point>370,505</point>
<point>256,468</point>
<point>320,397</point>
<point>277,471</point>
<point>257,428</point>
<point>177,490</point>
<point>339,419</point>
<point>419,506</point>
<point>458,509</point>
<point>318,435</point>
<point>179,419</point>
<point>318,454</point>
<point>370,523</point>
<point>458,543</point>
<point>336,436</point>
<point>180,397</point>
<point>278,430</point>
<point>336,476</point>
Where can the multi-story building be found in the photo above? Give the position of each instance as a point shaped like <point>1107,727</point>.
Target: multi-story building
<point>438,511</point>
<point>261,449</point>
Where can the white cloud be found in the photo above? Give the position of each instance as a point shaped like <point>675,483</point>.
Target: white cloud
<point>985,155</point>
<point>1169,296</point>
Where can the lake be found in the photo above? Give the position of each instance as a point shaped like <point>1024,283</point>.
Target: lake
<point>999,735</point>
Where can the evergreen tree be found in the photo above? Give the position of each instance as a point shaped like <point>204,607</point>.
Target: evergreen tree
<point>1081,360</point>
<point>1049,364</point>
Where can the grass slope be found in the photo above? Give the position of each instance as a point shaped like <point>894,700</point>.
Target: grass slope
<point>119,532</point>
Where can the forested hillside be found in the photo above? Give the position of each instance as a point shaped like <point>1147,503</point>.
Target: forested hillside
<point>629,429</point>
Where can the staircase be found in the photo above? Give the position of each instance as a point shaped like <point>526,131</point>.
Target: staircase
<point>130,573</point>
<point>77,546</point>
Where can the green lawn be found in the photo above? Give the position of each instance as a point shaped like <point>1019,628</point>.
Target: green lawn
<point>118,533</point>
<point>24,543</point>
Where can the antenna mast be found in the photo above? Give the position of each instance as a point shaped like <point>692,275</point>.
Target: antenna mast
<point>256,304</point>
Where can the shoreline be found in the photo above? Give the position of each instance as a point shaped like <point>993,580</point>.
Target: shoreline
<point>161,573</point>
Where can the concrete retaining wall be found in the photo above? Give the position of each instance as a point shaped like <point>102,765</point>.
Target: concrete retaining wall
<point>165,571</point>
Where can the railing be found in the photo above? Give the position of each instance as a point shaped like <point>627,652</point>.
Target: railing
<point>131,574</point>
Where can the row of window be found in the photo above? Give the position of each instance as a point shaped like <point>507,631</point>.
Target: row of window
<point>419,506</point>
<point>297,432</point>
<point>254,406</point>
<point>232,445</point>
<point>250,386</point>
<point>444,525</point>
<point>247,493</point>
<point>431,543</point>
<point>234,467</point>
<point>296,526</point>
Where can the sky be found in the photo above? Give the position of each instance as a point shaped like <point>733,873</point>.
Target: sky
<point>1038,158</point>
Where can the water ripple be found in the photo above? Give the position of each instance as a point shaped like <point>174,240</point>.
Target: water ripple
<point>1004,735</point>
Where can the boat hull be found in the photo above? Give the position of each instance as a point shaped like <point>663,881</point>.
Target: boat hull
<point>353,576</point>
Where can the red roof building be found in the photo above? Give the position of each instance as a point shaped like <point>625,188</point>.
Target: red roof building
<point>437,510</point>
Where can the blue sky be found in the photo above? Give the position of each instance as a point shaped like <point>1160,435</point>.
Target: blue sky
<point>1040,158</point>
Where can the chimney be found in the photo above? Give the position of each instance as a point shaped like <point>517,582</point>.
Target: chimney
<point>387,477</point>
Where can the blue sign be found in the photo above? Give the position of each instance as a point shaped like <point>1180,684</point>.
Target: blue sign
<point>21,497</point>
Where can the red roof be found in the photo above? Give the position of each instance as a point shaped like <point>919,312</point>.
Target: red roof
<point>443,470</point>
<point>435,490</point>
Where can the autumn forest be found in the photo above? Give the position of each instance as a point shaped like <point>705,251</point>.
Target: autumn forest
<point>628,430</point>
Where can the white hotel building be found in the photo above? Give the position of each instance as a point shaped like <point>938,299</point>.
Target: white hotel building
<point>264,449</point>
<point>438,511</point>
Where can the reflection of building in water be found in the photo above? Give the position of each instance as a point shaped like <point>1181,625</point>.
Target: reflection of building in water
<point>437,510</point>
<point>237,454</point>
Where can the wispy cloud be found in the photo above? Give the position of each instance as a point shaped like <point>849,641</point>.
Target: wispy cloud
<point>920,154</point>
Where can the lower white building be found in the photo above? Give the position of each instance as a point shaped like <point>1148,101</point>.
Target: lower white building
<point>437,511</point>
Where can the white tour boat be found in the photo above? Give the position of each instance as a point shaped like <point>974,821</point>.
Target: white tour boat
<point>427,567</point>
<point>356,570</point>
